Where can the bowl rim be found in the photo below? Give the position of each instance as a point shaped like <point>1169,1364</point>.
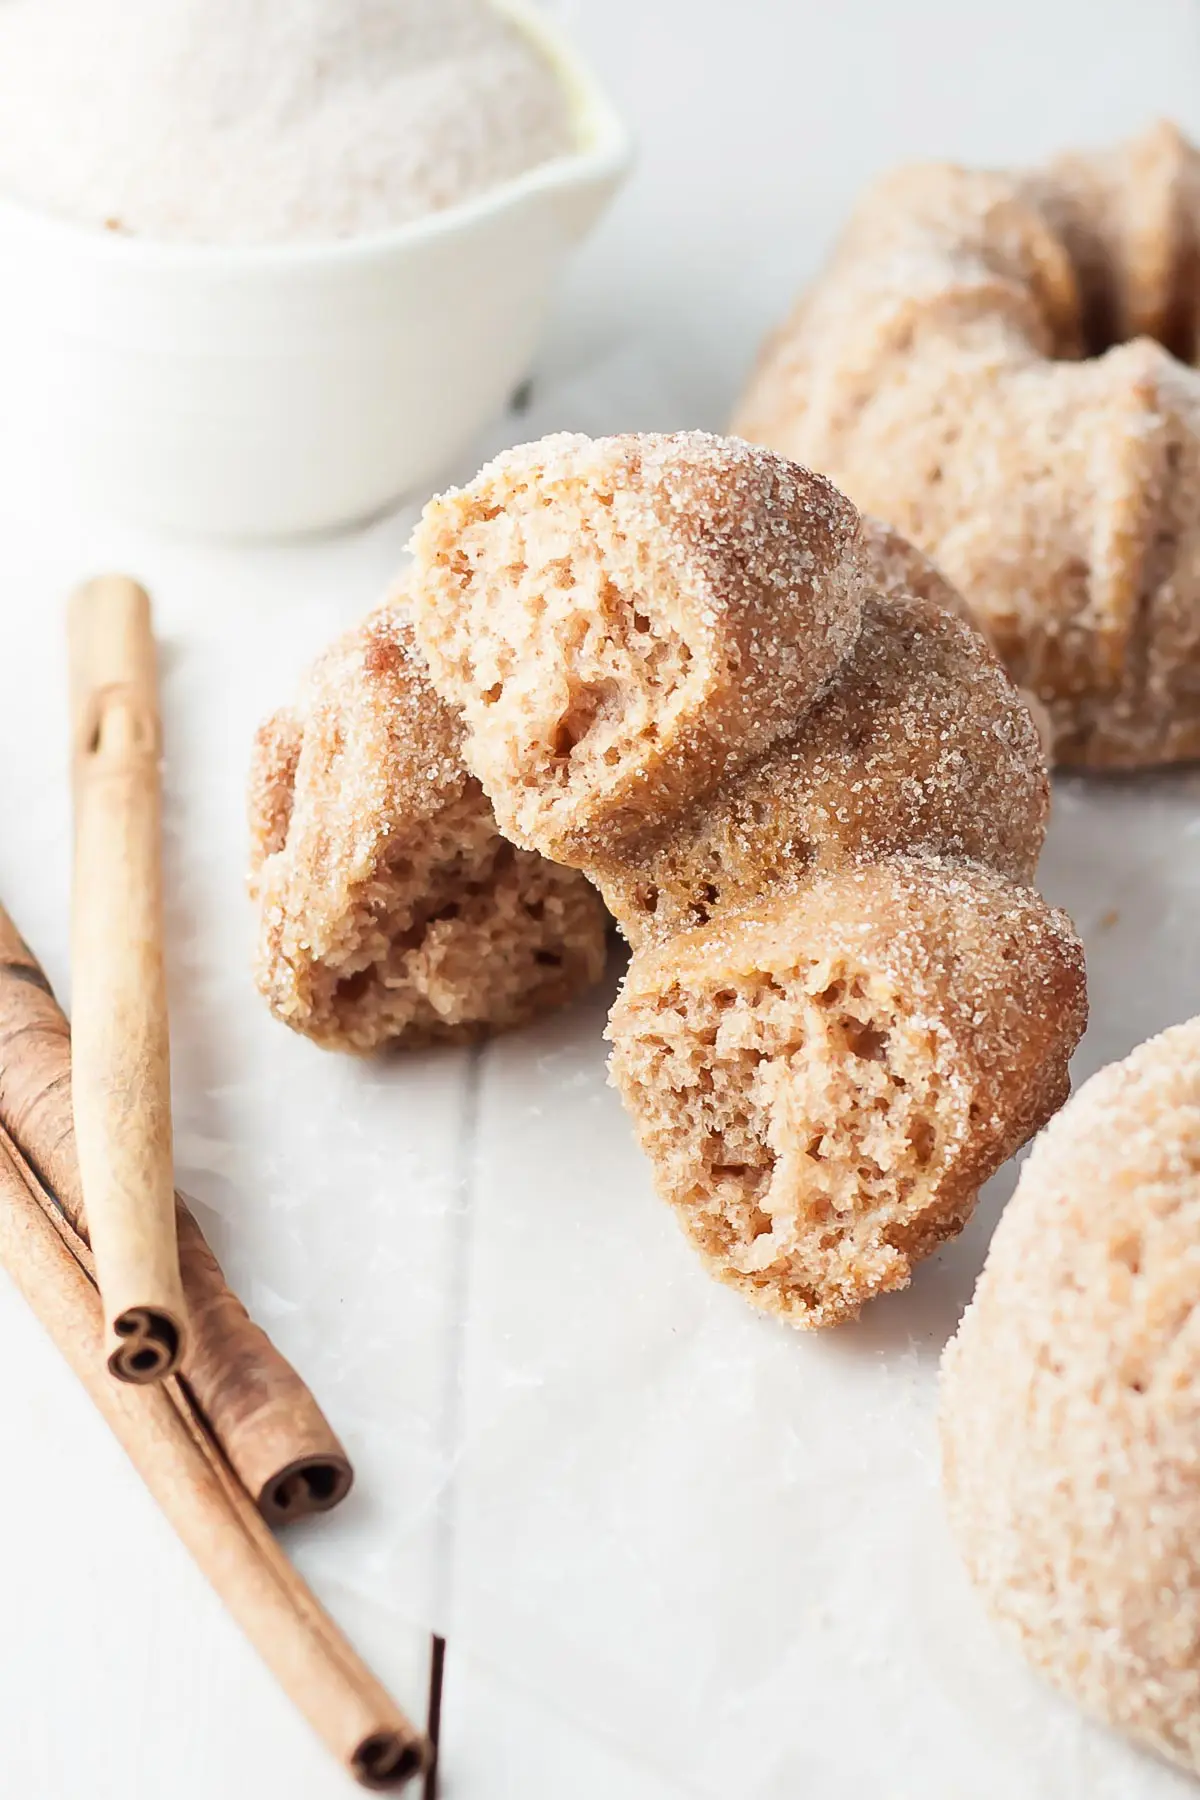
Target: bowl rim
<point>604,153</point>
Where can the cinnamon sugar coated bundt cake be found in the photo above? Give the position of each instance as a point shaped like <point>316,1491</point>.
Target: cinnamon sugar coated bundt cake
<point>1071,1402</point>
<point>574,605</point>
<point>1001,366</point>
<point>390,907</point>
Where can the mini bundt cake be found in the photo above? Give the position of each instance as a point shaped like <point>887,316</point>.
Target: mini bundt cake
<point>899,795</point>
<point>390,908</point>
<point>1001,367</point>
<point>1070,1412</point>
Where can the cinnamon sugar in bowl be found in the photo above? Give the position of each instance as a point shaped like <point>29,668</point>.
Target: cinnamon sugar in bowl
<point>300,378</point>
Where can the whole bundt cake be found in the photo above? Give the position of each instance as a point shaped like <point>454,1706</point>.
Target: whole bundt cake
<point>1001,366</point>
<point>813,800</point>
<point>1071,1402</point>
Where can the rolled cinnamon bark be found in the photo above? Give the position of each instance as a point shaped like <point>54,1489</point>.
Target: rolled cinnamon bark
<point>216,1521</point>
<point>269,1427</point>
<point>121,1083</point>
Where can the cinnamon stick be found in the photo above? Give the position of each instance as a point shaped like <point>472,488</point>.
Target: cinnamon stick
<point>269,1427</point>
<point>121,1081</point>
<point>317,1667</point>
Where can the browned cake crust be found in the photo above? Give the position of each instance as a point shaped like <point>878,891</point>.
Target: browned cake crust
<point>622,621</point>
<point>1000,366</point>
<point>914,741</point>
<point>1070,1410</point>
<point>824,1081</point>
<point>391,909</point>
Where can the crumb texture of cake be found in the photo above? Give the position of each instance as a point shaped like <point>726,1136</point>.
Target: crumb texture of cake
<point>622,621</point>
<point>391,910</point>
<point>1070,1406</point>
<point>1002,366</point>
<point>919,743</point>
<point>822,1083</point>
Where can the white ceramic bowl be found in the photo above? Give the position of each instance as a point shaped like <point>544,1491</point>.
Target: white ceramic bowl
<point>266,392</point>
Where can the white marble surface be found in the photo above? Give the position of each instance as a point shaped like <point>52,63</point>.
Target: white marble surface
<point>679,1551</point>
